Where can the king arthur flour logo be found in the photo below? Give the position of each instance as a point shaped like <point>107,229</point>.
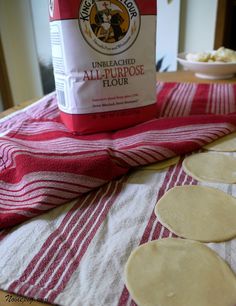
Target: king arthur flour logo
<point>109,27</point>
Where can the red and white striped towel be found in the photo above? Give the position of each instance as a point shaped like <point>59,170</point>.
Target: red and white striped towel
<point>74,255</point>
<point>43,165</point>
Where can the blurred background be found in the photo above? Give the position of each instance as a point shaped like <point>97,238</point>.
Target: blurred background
<point>25,53</point>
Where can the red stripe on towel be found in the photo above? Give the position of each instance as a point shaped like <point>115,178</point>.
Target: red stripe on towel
<point>34,143</point>
<point>52,267</point>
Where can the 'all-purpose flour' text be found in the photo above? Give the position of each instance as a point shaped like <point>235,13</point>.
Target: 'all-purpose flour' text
<point>114,76</point>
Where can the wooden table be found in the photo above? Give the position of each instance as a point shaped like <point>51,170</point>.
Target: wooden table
<point>179,76</point>
<point>187,76</point>
<point>16,108</point>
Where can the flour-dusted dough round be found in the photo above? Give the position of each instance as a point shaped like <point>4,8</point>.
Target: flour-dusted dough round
<point>178,272</point>
<point>162,164</point>
<point>212,167</point>
<point>198,213</point>
<point>224,144</point>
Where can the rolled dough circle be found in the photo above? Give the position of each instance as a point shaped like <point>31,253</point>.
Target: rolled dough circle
<point>162,164</point>
<point>198,213</point>
<point>224,144</point>
<point>213,167</point>
<point>178,272</point>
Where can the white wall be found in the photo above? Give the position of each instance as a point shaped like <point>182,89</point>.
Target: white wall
<point>19,47</point>
<point>197,29</point>
<point>42,30</point>
<point>184,26</point>
<point>168,15</point>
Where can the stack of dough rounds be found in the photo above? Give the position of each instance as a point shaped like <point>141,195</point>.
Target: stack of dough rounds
<point>224,55</point>
<point>176,272</point>
<point>213,167</point>
<point>198,57</point>
<point>198,213</point>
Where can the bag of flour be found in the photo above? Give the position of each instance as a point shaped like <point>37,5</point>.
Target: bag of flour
<point>104,62</point>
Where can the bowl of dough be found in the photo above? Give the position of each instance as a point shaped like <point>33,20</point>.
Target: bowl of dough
<point>216,64</point>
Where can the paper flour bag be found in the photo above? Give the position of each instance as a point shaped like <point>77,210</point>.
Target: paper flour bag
<point>104,62</point>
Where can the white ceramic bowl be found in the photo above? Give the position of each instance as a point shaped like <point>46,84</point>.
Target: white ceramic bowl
<point>208,70</point>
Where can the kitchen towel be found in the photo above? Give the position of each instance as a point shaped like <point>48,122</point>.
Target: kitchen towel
<point>43,165</point>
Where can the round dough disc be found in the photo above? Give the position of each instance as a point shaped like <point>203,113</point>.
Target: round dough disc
<point>162,164</point>
<point>224,144</point>
<point>199,213</point>
<point>177,272</point>
<point>213,167</point>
